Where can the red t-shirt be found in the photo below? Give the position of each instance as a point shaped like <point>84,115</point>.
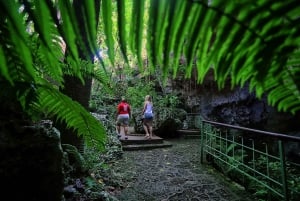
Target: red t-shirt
<point>123,108</point>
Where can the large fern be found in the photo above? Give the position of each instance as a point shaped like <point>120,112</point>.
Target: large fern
<point>52,102</point>
<point>33,39</point>
<point>248,41</point>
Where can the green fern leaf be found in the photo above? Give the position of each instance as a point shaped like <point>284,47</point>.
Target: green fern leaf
<point>107,21</point>
<point>54,103</point>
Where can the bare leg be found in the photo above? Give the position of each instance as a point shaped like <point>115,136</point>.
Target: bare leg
<point>150,131</point>
<point>146,130</point>
<point>118,130</point>
<point>126,130</point>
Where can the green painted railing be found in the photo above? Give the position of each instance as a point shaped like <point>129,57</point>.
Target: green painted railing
<point>253,158</point>
<point>193,121</point>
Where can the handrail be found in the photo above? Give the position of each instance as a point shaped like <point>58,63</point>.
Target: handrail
<point>272,134</point>
<point>213,143</point>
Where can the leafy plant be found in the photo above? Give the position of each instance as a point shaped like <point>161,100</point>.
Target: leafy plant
<point>255,42</point>
<point>261,47</point>
<point>33,39</point>
<point>136,94</point>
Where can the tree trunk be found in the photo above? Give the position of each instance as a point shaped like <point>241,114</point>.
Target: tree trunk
<point>74,88</point>
<point>80,93</point>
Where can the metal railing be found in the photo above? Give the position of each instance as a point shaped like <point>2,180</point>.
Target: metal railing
<point>251,157</point>
<point>192,121</point>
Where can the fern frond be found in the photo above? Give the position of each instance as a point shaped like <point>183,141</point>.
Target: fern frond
<point>136,29</point>
<point>107,21</point>
<point>246,41</point>
<point>55,104</point>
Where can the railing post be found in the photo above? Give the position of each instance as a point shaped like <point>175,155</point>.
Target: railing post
<point>283,170</point>
<point>201,143</point>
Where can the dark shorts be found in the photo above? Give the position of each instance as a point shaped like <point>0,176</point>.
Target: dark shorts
<point>148,122</point>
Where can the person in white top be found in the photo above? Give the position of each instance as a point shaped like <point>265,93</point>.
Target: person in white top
<point>148,117</point>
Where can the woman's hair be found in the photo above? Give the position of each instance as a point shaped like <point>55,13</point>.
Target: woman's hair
<point>148,98</point>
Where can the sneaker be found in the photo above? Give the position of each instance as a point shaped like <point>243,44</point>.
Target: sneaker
<point>126,138</point>
<point>119,135</point>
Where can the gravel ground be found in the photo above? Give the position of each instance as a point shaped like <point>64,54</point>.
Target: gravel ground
<point>173,173</point>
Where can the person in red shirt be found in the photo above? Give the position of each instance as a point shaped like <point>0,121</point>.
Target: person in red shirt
<point>124,114</point>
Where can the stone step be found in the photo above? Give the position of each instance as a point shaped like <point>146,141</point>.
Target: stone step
<point>133,147</point>
<point>138,141</point>
<point>189,134</point>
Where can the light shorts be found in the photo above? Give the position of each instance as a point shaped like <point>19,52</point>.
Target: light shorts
<point>123,120</point>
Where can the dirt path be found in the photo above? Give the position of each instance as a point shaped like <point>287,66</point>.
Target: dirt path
<point>172,173</point>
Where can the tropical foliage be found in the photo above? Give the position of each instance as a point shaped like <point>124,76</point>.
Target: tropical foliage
<point>244,41</point>
<point>34,38</point>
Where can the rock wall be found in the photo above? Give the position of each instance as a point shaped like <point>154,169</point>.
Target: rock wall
<point>31,162</point>
<point>237,106</point>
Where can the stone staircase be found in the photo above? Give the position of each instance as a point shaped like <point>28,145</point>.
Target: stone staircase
<point>138,141</point>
